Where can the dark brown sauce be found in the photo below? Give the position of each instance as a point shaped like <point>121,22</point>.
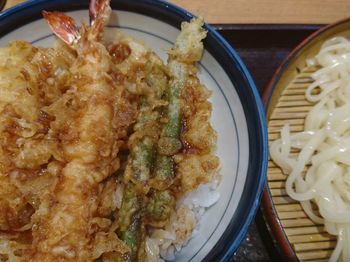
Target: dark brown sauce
<point>119,52</point>
<point>26,76</point>
<point>25,214</point>
<point>17,220</point>
<point>118,77</point>
<point>187,148</point>
<point>45,119</point>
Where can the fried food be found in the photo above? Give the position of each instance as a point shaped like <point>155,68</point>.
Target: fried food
<point>90,143</point>
<point>99,139</point>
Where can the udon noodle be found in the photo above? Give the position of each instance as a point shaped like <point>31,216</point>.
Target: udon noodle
<point>320,172</point>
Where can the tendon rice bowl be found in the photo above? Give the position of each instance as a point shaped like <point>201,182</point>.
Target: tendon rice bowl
<point>107,152</point>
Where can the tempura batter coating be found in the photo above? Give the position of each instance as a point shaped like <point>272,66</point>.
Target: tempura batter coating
<point>91,123</point>
<point>66,113</point>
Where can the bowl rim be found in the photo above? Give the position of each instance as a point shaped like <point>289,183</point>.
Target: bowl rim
<point>267,207</point>
<point>256,177</point>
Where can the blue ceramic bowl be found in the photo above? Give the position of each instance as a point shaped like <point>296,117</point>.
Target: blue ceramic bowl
<point>238,115</point>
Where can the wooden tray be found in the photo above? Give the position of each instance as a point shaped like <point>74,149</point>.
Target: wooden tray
<point>296,235</point>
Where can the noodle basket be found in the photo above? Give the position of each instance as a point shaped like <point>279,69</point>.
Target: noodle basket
<point>298,237</point>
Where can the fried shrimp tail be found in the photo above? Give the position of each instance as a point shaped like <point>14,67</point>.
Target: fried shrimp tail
<point>63,26</point>
<point>67,30</point>
<point>99,10</point>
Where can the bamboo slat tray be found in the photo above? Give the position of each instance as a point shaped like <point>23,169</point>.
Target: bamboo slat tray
<point>298,237</point>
